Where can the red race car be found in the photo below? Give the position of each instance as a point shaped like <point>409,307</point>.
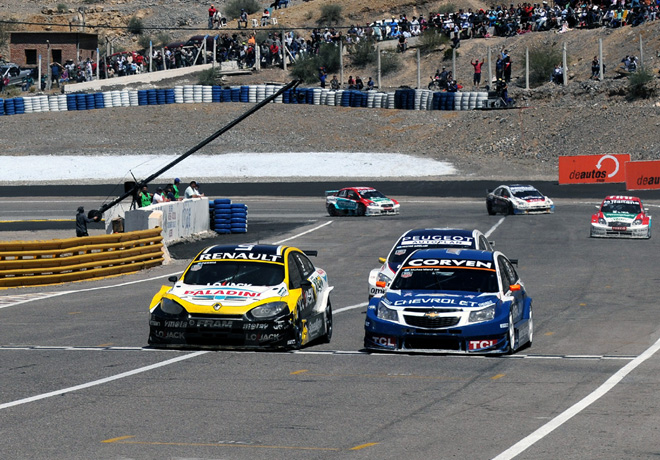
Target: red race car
<point>621,216</point>
<point>359,201</point>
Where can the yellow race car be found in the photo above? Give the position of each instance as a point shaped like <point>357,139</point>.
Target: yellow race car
<point>244,296</point>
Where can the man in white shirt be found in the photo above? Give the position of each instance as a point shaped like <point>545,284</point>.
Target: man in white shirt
<point>193,191</point>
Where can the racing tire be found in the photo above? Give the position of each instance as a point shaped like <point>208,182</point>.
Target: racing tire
<point>531,330</point>
<point>510,210</point>
<point>489,208</point>
<point>328,324</point>
<point>648,234</point>
<point>511,336</point>
<point>361,209</point>
<point>297,334</point>
<point>332,211</point>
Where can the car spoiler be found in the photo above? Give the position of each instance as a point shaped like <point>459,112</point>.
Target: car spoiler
<point>311,253</point>
<point>331,192</point>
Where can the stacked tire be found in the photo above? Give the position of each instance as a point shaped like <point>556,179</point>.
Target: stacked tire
<point>228,217</point>
<point>238,218</point>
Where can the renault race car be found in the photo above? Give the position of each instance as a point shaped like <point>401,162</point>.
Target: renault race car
<point>359,201</point>
<point>421,238</point>
<point>518,199</point>
<point>245,296</point>
<point>621,217</point>
<point>452,301</point>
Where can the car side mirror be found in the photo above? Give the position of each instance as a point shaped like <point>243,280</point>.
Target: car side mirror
<point>515,287</point>
<point>492,244</point>
<point>173,279</point>
<point>382,260</point>
<point>305,283</point>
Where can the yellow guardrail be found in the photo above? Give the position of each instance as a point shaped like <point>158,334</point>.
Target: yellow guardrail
<point>33,263</point>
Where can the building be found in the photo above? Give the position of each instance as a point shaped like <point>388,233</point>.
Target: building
<point>26,47</point>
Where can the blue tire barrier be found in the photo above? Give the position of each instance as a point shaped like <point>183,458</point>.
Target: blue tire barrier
<point>238,206</point>
<point>160,96</point>
<point>244,93</point>
<point>222,221</point>
<point>238,220</point>
<point>286,96</point>
<point>222,214</point>
<point>226,95</point>
<point>10,107</point>
<point>81,102</point>
<point>152,97</point>
<point>222,231</point>
<point>90,101</point>
<point>71,102</point>
<point>222,207</point>
<point>98,101</point>
<point>142,97</point>
<point>222,201</point>
<point>451,98</point>
<point>235,94</point>
<point>216,93</point>
<point>346,98</point>
<point>239,213</point>
<point>223,226</point>
<point>239,230</point>
<point>2,106</point>
<point>169,96</point>
<point>19,105</point>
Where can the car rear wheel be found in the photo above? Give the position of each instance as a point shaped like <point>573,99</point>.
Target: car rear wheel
<point>361,209</point>
<point>328,324</point>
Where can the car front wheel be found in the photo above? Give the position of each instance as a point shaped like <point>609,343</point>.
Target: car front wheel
<point>328,324</point>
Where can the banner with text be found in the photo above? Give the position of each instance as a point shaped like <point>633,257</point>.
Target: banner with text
<point>643,175</point>
<point>592,169</point>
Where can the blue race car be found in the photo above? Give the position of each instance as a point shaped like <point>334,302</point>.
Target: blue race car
<point>451,301</point>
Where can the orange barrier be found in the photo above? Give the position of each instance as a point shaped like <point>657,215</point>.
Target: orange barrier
<point>33,263</point>
<point>592,169</point>
<point>643,175</point>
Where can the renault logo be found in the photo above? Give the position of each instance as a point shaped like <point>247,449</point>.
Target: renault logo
<point>217,306</point>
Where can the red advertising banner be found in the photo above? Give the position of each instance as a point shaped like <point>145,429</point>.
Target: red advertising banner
<point>643,175</point>
<point>592,169</point>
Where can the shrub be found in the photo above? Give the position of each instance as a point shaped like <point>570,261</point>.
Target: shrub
<point>542,62</point>
<point>62,8</point>
<point>163,38</point>
<point>638,84</point>
<point>448,54</point>
<point>389,63</point>
<point>448,8</point>
<point>329,57</point>
<point>431,40</point>
<point>363,53</point>
<point>207,77</point>
<point>135,26</point>
<point>234,7</point>
<point>307,69</point>
<point>330,14</point>
<point>144,41</point>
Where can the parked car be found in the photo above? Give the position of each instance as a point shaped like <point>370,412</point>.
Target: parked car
<point>15,73</point>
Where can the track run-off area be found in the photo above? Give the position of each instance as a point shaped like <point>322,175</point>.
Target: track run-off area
<point>79,382</point>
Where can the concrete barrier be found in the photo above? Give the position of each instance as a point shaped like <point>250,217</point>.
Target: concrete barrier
<point>177,219</point>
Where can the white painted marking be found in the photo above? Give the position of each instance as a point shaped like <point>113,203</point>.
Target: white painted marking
<point>351,307</point>
<point>492,229</point>
<point>578,407</point>
<point>100,381</point>
<point>303,233</point>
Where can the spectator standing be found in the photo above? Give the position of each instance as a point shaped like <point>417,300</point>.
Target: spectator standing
<point>359,85</point>
<point>334,83</point>
<point>212,12</point>
<point>193,191</point>
<point>159,196</point>
<point>55,73</point>
<point>506,66</point>
<point>144,197</point>
<point>595,68</point>
<point>175,189</point>
<point>322,76</point>
<point>370,84</point>
<point>476,80</point>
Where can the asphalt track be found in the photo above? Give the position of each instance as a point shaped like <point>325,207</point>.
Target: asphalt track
<point>78,381</point>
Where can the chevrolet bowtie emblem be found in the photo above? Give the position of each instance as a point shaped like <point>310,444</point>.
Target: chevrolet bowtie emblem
<point>432,314</point>
<point>217,306</point>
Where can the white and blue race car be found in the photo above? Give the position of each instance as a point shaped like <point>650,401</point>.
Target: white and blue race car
<point>452,301</point>
<point>422,238</point>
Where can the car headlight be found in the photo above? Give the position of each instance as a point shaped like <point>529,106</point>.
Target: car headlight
<point>485,314</point>
<point>383,312</point>
<point>637,222</point>
<point>269,310</point>
<point>383,280</point>
<point>602,221</point>
<point>170,307</point>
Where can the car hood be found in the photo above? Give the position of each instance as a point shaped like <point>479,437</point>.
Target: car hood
<point>439,299</point>
<point>227,295</point>
<point>380,200</point>
<point>619,217</point>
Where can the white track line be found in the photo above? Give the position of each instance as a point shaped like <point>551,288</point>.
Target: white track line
<point>100,381</point>
<point>492,229</point>
<point>303,233</point>
<point>578,407</point>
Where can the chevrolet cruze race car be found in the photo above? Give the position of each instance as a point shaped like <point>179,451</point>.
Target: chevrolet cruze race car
<point>452,301</point>
<point>517,199</point>
<point>621,217</point>
<point>359,201</point>
<point>421,238</point>
<point>245,296</point>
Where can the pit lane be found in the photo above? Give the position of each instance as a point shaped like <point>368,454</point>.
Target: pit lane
<point>594,310</point>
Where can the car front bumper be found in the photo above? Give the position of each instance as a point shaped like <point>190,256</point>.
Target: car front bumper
<point>606,231</point>
<point>535,210</point>
<point>488,337</point>
<point>382,210</point>
<point>218,331</point>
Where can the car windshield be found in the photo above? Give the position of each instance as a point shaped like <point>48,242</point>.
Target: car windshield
<point>621,208</point>
<point>370,194</point>
<point>446,279</point>
<point>235,272</point>
<point>527,194</point>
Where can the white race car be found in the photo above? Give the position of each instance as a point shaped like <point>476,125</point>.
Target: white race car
<point>518,199</point>
<point>422,238</point>
<point>621,217</point>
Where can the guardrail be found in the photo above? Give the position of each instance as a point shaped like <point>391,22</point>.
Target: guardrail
<point>38,263</point>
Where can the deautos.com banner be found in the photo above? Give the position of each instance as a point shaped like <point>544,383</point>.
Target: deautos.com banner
<point>592,169</point>
<point>643,175</point>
